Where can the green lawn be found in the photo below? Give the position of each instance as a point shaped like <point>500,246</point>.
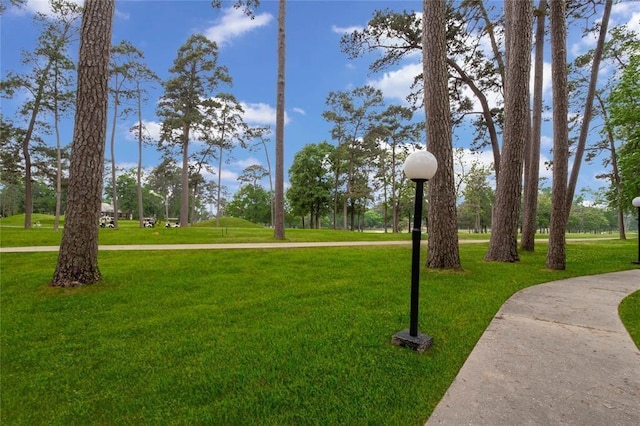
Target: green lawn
<point>231,230</point>
<point>270,337</point>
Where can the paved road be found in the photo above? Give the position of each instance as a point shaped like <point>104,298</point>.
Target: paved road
<point>555,354</point>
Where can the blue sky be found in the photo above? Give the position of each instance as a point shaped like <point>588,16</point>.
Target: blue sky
<point>315,65</point>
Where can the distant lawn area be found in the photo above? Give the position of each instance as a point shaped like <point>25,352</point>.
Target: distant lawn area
<point>297,336</point>
<point>231,230</point>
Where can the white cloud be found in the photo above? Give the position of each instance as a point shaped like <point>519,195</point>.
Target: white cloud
<point>122,15</point>
<point>299,111</point>
<point>40,6</point>
<point>260,113</point>
<point>397,84</point>
<point>152,128</point>
<point>233,24</point>
<point>345,30</point>
<point>626,12</point>
<point>246,162</point>
<point>634,22</point>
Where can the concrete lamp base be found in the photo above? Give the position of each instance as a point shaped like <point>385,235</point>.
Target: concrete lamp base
<point>419,343</point>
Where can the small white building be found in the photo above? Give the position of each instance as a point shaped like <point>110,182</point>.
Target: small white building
<point>107,210</point>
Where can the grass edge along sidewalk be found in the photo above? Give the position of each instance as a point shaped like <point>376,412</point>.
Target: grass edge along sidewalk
<point>269,336</point>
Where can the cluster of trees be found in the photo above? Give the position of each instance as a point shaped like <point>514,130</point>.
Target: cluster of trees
<point>455,34</point>
<point>369,138</point>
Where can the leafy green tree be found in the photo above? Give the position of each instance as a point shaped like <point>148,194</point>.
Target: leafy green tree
<point>396,35</point>
<point>10,142</point>
<point>224,128</point>
<point>398,134</point>
<point>46,62</point>
<point>11,199</point>
<point>311,182</point>
<point>250,202</point>
<point>624,107</point>
<point>195,74</point>
<point>165,181</point>
<point>125,191</point>
<point>141,76</point>
<point>478,196</point>
<point>353,115</point>
<point>127,71</point>
<point>588,106</point>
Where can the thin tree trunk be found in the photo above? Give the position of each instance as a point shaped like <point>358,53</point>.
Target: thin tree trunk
<point>530,204</point>
<point>140,207</point>
<point>56,119</point>
<point>219,195</point>
<point>279,195</point>
<point>114,189</point>
<point>503,245</point>
<point>486,113</point>
<point>588,107</point>
<point>271,193</point>
<point>556,256</point>
<point>615,172</point>
<point>492,37</point>
<point>184,192</point>
<point>443,234</point>
<point>78,255</point>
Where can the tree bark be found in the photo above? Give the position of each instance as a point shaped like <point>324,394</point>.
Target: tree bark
<point>140,207</point>
<point>615,171</point>
<point>556,256</point>
<point>279,195</point>
<point>586,117</point>
<point>504,233</point>
<point>112,146</point>
<point>184,190</point>
<point>78,256</point>
<point>443,233</point>
<point>530,204</point>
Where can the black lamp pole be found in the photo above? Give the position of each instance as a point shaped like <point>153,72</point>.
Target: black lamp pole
<point>411,338</point>
<point>638,261</point>
<point>416,236</point>
<point>420,166</point>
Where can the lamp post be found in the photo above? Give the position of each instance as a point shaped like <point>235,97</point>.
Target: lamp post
<point>636,203</point>
<point>420,166</point>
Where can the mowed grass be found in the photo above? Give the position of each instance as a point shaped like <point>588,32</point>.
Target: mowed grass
<point>231,230</point>
<point>296,336</point>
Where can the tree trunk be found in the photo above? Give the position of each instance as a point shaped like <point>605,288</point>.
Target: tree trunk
<point>78,256</point>
<point>279,195</point>
<point>114,189</point>
<point>556,256</point>
<point>184,191</point>
<point>486,113</point>
<point>140,207</point>
<point>443,233</point>
<point>615,172</point>
<point>530,204</point>
<point>219,189</point>
<point>56,119</point>
<point>586,117</point>
<point>503,245</point>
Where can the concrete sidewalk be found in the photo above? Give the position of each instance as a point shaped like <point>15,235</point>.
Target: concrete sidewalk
<point>556,353</point>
